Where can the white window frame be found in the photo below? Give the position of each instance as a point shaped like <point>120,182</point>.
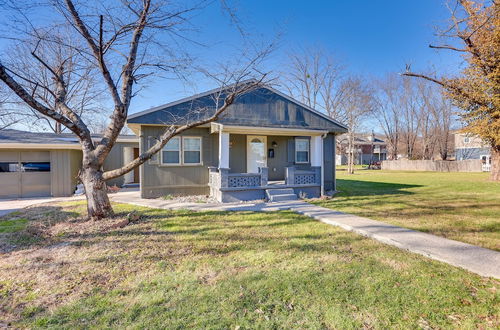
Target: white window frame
<point>308,150</point>
<point>201,148</point>
<point>151,140</point>
<point>180,153</point>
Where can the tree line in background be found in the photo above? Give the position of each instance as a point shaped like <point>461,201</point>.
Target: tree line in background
<point>414,116</point>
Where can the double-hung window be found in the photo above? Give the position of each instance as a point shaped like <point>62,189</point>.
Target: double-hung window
<point>182,150</point>
<point>191,147</point>
<point>301,151</point>
<point>171,152</point>
<point>151,142</point>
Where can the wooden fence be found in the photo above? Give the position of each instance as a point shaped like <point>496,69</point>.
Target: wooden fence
<point>470,165</point>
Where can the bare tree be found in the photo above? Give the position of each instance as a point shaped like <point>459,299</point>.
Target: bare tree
<point>357,104</point>
<point>314,77</point>
<point>125,43</point>
<point>389,110</point>
<point>473,33</point>
<point>31,60</point>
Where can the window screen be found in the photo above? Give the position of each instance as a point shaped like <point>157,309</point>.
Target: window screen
<point>192,150</point>
<point>171,152</point>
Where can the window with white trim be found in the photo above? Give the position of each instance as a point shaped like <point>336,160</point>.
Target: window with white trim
<point>191,148</point>
<point>171,152</point>
<point>301,151</point>
<point>151,142</point>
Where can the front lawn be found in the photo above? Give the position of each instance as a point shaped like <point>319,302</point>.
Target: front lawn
<point>225,270</point>
<point>459,206</point>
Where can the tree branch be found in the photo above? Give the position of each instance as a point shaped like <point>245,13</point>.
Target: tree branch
<point>238,89</point>
<point>30,100</point>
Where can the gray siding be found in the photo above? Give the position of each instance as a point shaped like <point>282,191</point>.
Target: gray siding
<point>329,162</point>
<point>262,108</point>
<point>159,180</point>
<point>238,153</point>
<point>65,165</point>
<point>471,153</point>
<point>115,160</point>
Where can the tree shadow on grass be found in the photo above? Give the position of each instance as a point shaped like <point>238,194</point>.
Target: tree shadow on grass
<point>30,225</point>
<point>368,188</point>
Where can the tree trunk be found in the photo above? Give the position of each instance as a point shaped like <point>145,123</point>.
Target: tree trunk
<point>495,163</point>
<point>98,205</point>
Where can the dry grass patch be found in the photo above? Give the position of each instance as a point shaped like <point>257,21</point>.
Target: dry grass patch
<point>224,270</point>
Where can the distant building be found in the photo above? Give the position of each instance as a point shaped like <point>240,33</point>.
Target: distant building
<point>468,146</point>
<point>368,148</point>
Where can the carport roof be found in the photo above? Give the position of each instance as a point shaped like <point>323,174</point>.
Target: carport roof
<point>14,137</point>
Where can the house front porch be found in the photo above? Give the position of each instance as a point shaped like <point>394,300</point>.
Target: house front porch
<point>264,162</point>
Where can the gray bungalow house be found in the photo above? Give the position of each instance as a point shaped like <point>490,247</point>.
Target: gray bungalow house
<point>266,144</point>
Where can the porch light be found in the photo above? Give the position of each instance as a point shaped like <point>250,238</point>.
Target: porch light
<point>274,144</point>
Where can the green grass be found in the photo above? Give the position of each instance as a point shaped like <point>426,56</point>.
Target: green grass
<point>459,206</point>
<point>12,226</point>
<point>228,270</point>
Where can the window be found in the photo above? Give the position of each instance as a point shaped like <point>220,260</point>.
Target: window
<point>466,139</point>
<point>302,150</point>
<point>171,151</point>
<point>36,167</point>
<point>9,167</point>
<point>191,147</point>
<point>151,142</point>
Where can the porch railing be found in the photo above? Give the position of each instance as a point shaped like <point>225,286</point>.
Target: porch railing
<point>301,177</point>
<point>221,178</point>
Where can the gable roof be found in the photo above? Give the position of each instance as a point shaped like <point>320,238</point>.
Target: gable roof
<point>263,107</point>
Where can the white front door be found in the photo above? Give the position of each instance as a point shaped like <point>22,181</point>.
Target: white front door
<point>256,153</point>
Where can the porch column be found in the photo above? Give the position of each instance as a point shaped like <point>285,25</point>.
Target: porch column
<point>317,159</point>
<point>223,150</point>
<point>316,151</point>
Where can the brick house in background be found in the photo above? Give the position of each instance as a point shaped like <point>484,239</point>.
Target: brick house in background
<point>368,148</point>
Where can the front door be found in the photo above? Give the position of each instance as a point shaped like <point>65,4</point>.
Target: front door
<point>256,153</point>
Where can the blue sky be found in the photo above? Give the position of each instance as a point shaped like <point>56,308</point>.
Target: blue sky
<point>370,37</point>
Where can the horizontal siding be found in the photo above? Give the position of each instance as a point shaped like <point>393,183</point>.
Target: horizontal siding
<point>158,179</point>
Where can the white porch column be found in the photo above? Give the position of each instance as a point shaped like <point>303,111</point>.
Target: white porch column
<point>316,151</point>
<point>317,159</point>
<point>128,156</point>
<point>223,150</point>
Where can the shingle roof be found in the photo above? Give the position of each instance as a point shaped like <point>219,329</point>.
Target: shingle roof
<point>8,136</point>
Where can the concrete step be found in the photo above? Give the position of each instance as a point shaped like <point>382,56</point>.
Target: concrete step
<point>280,191</point>
<point>284,197</point>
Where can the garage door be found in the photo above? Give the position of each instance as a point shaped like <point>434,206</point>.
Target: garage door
<point>24,174</point>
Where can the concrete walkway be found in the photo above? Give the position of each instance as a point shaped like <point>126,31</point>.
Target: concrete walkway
<point>470,257</point>
<point>473,258</point>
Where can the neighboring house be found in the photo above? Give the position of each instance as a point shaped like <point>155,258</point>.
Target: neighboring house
<point>368,148</point>
<point>47,164</point>
<point>266,142</point>
<point>469,146</point>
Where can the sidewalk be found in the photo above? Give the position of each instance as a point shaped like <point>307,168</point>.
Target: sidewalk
<point>476,259</point>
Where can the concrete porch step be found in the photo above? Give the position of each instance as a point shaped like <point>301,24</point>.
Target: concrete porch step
<point>280,195</point>
<point>279,191</point>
